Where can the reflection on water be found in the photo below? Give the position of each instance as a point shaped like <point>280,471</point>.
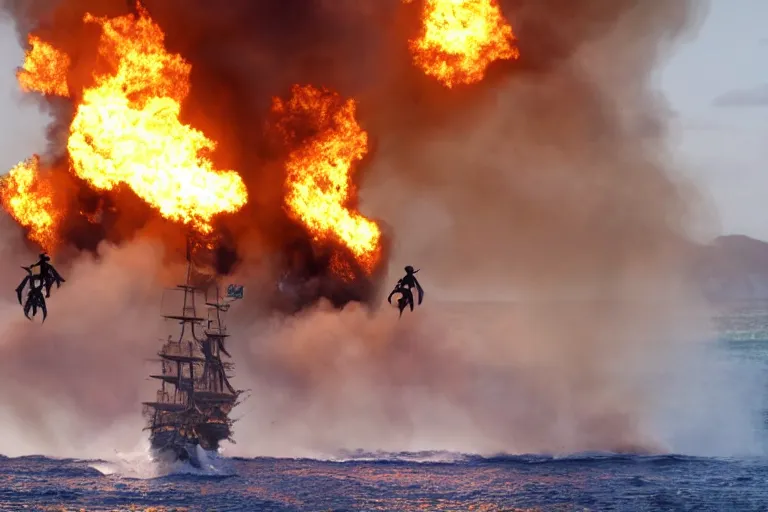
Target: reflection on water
<point>471,484</point>
<point>743,321</point>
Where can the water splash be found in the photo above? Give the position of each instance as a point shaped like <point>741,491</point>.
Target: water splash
<point>140,464</point>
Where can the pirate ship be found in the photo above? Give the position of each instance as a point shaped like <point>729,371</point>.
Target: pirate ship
<point>192,407</point>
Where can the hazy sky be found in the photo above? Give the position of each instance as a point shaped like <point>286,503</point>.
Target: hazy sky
<point>717,83</point>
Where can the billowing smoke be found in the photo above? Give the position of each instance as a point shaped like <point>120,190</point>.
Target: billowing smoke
<point>549,184</point>
<point>230,101</point>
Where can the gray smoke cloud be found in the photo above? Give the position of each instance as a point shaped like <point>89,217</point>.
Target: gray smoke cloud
<point>553,186</point>
<point>70,384</point>
<point>550,184</point>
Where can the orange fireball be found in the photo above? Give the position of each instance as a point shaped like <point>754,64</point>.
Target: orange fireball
<point>319,178</point>
<point>460,39</point>
<point>45,69</point>
<point>126,129</point>
<point>28,198</point>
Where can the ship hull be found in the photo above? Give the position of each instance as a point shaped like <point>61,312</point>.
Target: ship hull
<point>170,446</point>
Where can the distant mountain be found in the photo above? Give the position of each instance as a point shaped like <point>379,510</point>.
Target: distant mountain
<point>732,267</point>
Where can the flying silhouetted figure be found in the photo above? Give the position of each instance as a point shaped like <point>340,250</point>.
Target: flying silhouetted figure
<point>35,298</point>
<point>404,287</point>
<point>48,274</point>
<point>43,280</point>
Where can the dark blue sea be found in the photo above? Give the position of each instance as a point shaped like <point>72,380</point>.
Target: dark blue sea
<point>589,482</point>
<point>413,481</point>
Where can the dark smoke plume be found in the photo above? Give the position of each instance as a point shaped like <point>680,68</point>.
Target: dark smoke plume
<point>550,183</point>
<point>231,97</point>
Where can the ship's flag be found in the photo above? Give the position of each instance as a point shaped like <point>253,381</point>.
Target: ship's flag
<point>235,291</point>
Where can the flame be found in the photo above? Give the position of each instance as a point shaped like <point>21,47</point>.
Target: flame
<point>45,69</point>
<point>127,130</point>
<point>319,180</point>
<point>28,198</point>
<point>341,268</point>
<point>460,39</point>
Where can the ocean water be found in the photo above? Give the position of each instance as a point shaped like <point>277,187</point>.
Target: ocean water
<point>588,482</point>
<point>413,481</point>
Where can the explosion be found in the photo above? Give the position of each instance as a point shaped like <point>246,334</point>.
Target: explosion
<point>500,208</point>
<point>45,69</point>
<point>319,180</point>
<point>127,131</point>
<point>28,198</point>
<point>460,39</point>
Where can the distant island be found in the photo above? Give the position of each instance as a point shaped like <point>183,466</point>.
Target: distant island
<point>732,268</point>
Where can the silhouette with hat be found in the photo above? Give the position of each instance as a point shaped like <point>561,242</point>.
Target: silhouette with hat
<point>48,274</point>
<point>403,287</point>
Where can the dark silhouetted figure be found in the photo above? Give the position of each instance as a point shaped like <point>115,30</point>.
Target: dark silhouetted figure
<point>35,298</point>
<point>404,287</point>
<point>48,274</point>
